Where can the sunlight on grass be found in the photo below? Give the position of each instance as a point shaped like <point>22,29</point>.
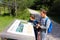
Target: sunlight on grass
<point>4,21</point>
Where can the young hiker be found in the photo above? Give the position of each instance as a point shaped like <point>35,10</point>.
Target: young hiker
<point>45,24</point>
<point>32,20</point>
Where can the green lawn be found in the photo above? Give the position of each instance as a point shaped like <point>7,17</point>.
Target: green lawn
<point>5,21</point>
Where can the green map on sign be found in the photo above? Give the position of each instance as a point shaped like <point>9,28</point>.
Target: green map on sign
<point>20,28</point>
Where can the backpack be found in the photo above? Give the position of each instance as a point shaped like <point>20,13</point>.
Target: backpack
<point>50,26</point>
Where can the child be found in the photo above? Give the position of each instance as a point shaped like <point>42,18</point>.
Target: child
<point>32,20</point>
<point>35,22</point>
<point>45,23</point>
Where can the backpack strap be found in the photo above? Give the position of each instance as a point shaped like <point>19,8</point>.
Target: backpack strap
<point>40,19</point>
<point>46,21</point>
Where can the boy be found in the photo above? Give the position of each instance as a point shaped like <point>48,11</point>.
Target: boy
<point>44,25</point>
<point>35,22</point>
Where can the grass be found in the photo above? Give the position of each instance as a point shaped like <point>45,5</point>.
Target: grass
<point>4,21</point>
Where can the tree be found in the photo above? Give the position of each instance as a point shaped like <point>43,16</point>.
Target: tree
<point>18,4</point>
<point>41,4</point>
<point>23,4</point>
<point>55,8</point>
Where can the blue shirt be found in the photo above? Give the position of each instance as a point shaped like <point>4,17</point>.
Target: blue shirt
<point>34,22</point>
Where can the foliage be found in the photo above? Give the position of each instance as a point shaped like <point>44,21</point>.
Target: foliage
<point>54,11</point>
<point>55,8</point>
<point>20,5</point>
<point>39,3</point>
<point>23,14</point>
